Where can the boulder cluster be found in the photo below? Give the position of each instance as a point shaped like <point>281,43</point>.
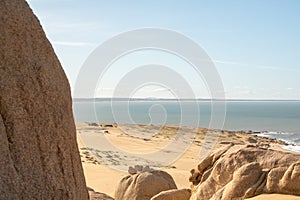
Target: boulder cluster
<point>231,172</point>
<point>239,172</point>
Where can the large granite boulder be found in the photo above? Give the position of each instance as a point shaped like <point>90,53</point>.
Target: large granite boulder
<point>239,172</point>
<point>144,184</point>
<point>39,158</point>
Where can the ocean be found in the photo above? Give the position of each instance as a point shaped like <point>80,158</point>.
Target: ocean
<point>276,119</point>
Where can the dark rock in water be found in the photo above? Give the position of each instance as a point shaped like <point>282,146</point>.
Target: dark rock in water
<point>93,124</point>
<point>38,149</point>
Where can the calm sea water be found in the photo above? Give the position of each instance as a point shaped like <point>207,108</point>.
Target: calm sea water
<point>279,119</point>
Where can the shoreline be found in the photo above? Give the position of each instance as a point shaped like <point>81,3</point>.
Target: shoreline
<point>285,144</point>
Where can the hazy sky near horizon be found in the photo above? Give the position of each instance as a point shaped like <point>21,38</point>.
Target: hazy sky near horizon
<point>255,45</point>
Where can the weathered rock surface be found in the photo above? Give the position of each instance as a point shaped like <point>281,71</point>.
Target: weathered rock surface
<point>39,157</point>
<point>98,195</point>
<point>239,172</point>
<point>182,194</point>
<point>144,185</point>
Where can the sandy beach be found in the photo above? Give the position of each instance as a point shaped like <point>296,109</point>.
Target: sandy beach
<point>105,168</point>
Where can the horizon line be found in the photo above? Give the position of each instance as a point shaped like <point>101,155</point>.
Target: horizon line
<point>173,99</point>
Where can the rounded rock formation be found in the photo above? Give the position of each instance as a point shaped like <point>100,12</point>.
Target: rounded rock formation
<point>144,185</point>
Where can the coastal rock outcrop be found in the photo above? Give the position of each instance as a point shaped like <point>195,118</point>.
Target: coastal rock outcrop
<point>144,185</point>
<point>38,149</point>
<point>239,172</point>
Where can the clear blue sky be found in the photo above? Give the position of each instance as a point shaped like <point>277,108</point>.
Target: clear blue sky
<point>255,44</point>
